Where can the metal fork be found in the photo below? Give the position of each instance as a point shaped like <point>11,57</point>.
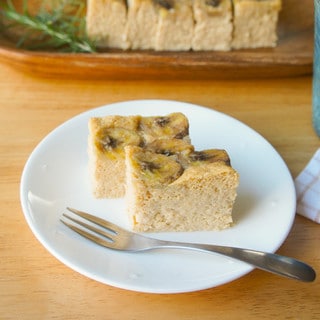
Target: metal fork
<point>114,237</point>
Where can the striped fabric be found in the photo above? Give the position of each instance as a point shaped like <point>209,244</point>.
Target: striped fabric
<point>308,189</point>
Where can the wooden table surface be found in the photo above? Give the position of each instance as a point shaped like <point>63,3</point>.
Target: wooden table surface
<point>35,285</point>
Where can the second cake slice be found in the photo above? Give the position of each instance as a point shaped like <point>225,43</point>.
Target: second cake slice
<point>190,191</point>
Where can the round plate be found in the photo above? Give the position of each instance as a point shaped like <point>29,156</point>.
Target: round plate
<point>56,176</point>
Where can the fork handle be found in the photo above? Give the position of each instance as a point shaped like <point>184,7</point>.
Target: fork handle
<point>274,263</point>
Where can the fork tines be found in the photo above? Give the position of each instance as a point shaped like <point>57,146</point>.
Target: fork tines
<point>103,237</point>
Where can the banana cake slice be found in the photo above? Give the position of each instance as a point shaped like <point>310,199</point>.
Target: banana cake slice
<point>175,25</point>
<point>106,21</point>
<point>141,24</point>
<point>213,25</point>
<point>190,191</point>
<point>110,134</point>
<point>255,23</point>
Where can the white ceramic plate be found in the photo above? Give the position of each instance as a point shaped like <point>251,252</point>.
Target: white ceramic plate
<point>56,176</point>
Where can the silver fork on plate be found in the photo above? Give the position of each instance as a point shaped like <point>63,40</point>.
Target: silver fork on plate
<point>113,237</point>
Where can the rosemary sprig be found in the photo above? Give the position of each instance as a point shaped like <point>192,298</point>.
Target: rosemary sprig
<point>61,28</point>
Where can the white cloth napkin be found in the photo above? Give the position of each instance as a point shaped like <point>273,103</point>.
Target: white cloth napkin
<point>307,186</point>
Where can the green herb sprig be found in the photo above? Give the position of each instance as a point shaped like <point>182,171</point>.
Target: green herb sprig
<point>61,28</point>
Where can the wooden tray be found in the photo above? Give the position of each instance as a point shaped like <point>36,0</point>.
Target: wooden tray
<point>292,57</point>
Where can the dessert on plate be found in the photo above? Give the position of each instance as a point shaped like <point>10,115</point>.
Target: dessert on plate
<point>189,192</point>
<point>167,185</point>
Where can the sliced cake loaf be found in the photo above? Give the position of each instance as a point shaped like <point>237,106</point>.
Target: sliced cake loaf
<point>106,21</point>
<point>213,25</point>
<point>181,25</point>
<point>255,23</point>
<point>188,192</point>
<point>109,135</point>
<point>175,25</point>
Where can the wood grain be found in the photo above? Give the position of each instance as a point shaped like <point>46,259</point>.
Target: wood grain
<point>35,286</point>
<point>292,57</point>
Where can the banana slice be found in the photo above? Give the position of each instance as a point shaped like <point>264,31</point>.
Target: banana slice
<point>153,167</point>
<point>211,155</point>
<point>178,149</point>
<point>113,140</point>
<point>172,126</point>
<point>171,147</point>
<point>166,4</point>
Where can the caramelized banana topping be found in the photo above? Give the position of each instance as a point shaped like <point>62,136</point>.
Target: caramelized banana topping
<point>150,166</point>
<point>213,3</point>
<point>213,155</point>
<point>167,4</point>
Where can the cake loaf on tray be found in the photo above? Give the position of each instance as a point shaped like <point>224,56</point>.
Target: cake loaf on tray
<point>183,25</point>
